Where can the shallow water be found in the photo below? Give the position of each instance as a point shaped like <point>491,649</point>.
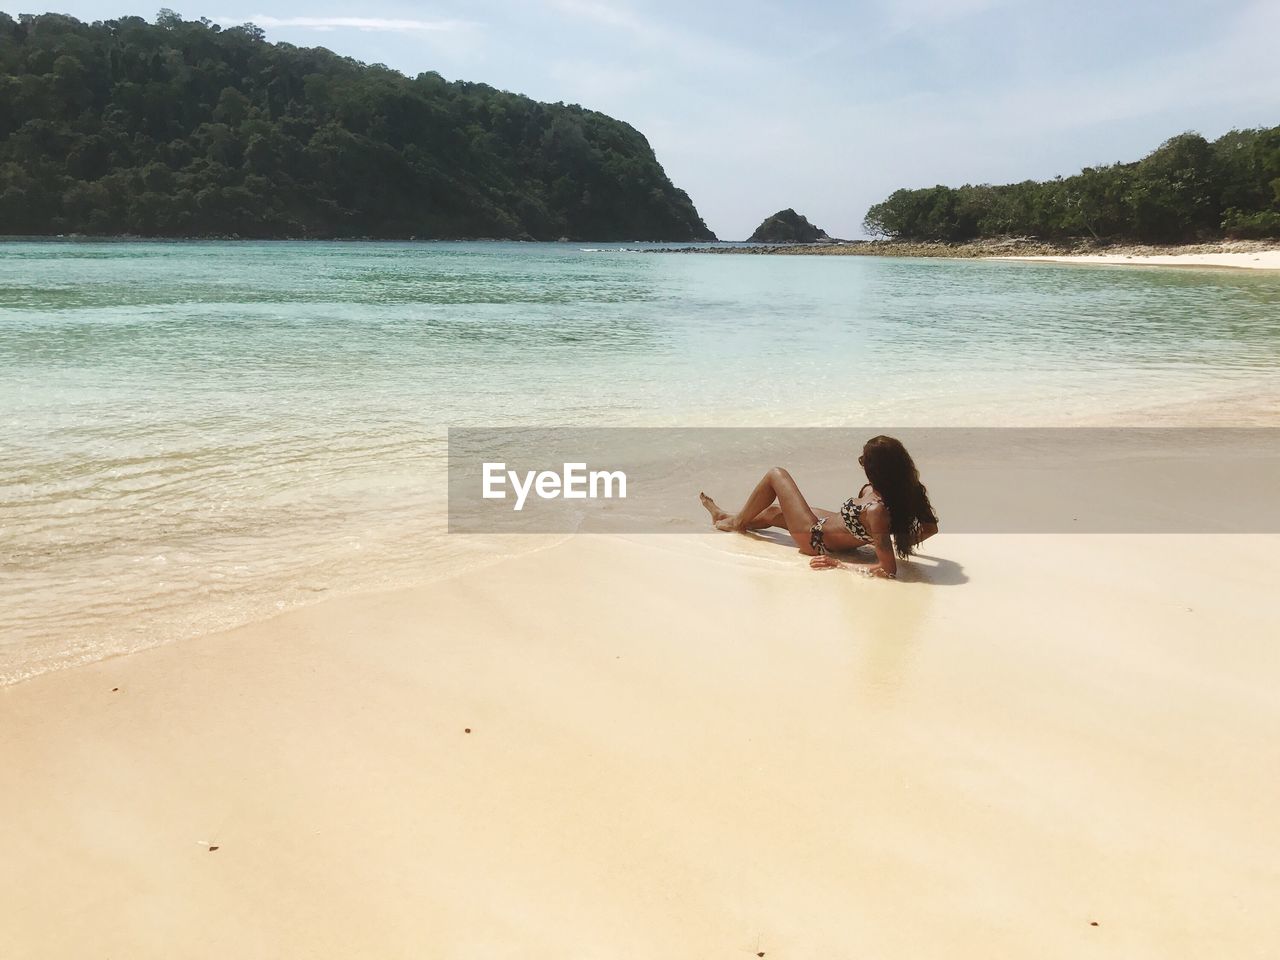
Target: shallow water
<point>200,434</point>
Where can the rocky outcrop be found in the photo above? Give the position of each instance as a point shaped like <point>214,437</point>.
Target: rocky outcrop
<point>787,226</point>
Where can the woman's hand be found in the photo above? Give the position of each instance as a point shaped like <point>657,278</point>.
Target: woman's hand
<point>824,561</point>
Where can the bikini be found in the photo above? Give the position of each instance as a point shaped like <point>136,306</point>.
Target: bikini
<point>851,514</point>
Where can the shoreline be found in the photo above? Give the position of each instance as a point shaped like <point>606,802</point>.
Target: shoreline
<point>1226,253</point>
<point>1222,260</point>
<point>445,557</point>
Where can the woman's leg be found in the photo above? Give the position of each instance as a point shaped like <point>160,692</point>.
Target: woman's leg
<point>768,517</point>
<point>793,513</point>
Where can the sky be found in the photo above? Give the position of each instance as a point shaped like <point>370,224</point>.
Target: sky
<point>826,107</point>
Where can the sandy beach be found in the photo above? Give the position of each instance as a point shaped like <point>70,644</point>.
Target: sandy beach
<point>1252,260</point>
<point>1244,254</point>
<point>1051,746</point>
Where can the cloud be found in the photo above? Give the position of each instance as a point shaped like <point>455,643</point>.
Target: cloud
<point>371,24</point>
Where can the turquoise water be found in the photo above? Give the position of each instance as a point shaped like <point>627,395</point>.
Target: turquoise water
<point>200,434</point>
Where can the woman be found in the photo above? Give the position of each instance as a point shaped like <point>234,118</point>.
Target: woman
<point>891,512</point>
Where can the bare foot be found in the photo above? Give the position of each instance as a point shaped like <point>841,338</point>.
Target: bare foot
<point>713,508</point>
<point>728,525</point>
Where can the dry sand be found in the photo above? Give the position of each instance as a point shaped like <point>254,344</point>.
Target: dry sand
<point>679,747</point>
<point>1254,260</point>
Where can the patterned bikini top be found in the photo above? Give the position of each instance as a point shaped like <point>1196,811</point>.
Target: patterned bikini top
<point>851,513</point>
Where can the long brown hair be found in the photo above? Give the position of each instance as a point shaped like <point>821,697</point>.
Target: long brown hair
<point>894,476</point>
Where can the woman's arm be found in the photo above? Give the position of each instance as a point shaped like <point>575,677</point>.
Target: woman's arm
<point>876,519</point>
<point>886,563</point>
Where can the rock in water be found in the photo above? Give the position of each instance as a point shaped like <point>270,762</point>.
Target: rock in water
<point>787,226</point>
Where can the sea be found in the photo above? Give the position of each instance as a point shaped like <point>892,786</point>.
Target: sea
<point>196,435</point>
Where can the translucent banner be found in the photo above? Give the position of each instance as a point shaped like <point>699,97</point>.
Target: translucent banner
<point>980,480</point>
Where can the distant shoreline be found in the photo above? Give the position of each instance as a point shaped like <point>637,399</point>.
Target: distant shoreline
<point>1225,254</point>
<point>1248,254</point>
<point>1222,259</point>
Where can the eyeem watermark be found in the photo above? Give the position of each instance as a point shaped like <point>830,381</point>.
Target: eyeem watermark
<point>1120,480</point>
<point>574,482</point>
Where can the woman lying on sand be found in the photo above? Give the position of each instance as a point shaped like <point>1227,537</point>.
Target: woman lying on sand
<point>891,511</point>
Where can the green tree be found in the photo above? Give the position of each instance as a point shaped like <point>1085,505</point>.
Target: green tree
<point>1186,189</point>
<point>181,128</point>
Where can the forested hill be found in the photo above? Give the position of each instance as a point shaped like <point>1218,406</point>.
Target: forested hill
<point>180,128</point>
<point>1188,189</point>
